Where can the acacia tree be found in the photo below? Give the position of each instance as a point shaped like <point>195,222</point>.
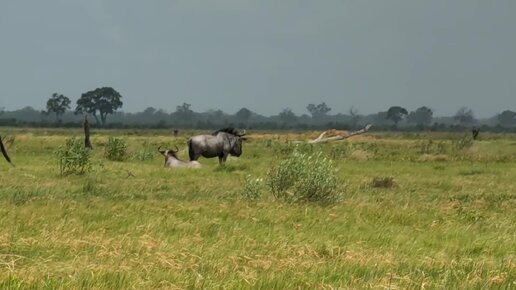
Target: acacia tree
<point>507,118</point>
<point>421,116</point>
<point>354,114</point>
<point>183,113</point>
<point>464,116</point>
<point>396,114</point>
<point>105,101</point>
<point>243,115</point>
<point>318,111</point>
<point>57,104</point>
<point>287,116</point>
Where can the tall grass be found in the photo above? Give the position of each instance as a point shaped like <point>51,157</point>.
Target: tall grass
<point>447,224</point>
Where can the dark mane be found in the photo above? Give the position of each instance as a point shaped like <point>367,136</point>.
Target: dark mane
<point>229,130</point>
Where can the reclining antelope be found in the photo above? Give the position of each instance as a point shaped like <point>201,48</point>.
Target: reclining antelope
<point>172,161</point>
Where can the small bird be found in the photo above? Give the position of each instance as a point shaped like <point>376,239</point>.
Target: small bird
<point>130,174</point>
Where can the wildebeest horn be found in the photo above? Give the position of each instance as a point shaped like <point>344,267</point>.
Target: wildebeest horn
<point>243,133</point>
<point>177,149</point>
<point>4,152</point>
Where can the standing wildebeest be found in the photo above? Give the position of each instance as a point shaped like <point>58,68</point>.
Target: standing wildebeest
<point>220,143</point>
<point>475,131</point>
<point>172,161</point>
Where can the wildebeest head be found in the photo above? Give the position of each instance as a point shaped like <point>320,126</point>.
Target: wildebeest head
<point>166,153</point>
<point>235,139</point>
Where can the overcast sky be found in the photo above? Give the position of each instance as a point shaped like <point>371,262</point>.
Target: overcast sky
<point>264,54</point>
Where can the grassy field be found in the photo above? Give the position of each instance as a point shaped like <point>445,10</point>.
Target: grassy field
<point>448,220</point>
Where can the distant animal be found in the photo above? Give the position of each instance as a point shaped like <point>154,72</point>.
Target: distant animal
<point>220,143</point>
<point>475,132</point>
<point>4,152</point>
<point>172,161</point>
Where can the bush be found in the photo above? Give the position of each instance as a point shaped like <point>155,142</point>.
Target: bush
<point>304,177</point>
<point>116,149</point>
<point>147,153</point>
<point>73,157</point>
<point>252,188</point>
<point>462,143</point>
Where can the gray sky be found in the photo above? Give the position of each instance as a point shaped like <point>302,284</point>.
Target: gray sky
<point>265,55</point>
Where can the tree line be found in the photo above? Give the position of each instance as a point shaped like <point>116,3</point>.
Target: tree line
<point>105,102</point>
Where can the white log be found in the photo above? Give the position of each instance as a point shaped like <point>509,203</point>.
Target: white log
<point>321,138</point>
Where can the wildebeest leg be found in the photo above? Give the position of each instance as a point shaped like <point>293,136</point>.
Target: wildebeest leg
<point>191,151</point>
<point>222,159</point>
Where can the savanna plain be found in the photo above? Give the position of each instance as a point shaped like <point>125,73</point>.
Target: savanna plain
<point>411,211</point>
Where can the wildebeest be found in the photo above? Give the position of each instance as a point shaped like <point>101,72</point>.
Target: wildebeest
<point>475,131</point>
<point>172,161</point>
<point>220,143</point>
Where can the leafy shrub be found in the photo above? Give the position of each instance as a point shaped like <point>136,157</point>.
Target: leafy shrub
<point>287,148</point>
<point>430,147</point>
<point>116,149</point>
<point>304,177</point>
<point>147,153</point>
<point>341,151</point>
<point>253,187</point>
<point>73,157</point>
<point>462,143</point>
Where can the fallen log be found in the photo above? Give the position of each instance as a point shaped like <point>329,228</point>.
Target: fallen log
<point>321,137</point>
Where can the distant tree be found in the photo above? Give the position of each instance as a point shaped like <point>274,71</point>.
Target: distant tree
<point>184,114</point>
<point>464,116</point>
<point>507,118</point>
<point>184,108</point>
<point>421,116</point>
<point>216,114</point>
<point>149,111</point>
<point>105,101</point>
<point>396,114</point>
<point>355,117</point>
<point>57,104</point>
<point>318,111</point>
<point>287,116</point>
<point>243,115</point>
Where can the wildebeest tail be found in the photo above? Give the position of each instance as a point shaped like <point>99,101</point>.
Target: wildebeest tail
<point>4,152</point>
<point>190,150</point>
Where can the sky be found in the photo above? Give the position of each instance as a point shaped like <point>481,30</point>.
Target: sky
<point>265,55</point>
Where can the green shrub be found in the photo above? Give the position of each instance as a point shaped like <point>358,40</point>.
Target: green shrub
<point>147,153</point>
<point>462,143</point>
<point>304,177</point>
<point>73,157</point>
<point>252,188</point>
<point>116,149</point>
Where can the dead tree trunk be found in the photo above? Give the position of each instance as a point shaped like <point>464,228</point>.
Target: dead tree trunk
<point>87,142</point>
<point>4,152</point>
<point>339,137</point>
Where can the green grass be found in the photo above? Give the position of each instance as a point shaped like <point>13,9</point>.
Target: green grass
<point>449,223</point>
